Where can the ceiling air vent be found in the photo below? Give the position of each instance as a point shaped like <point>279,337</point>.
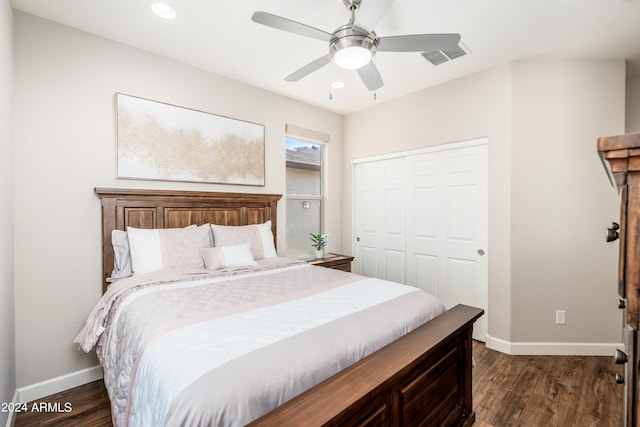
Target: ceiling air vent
<point>437,57</point>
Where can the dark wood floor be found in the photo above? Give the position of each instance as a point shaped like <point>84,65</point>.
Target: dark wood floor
<point>507,391</point>
<point>545,390</point>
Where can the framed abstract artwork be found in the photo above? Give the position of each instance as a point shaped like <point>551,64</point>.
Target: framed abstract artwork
<point>158,141</point>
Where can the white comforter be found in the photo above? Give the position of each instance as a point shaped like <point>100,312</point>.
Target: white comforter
<point>222,349</point>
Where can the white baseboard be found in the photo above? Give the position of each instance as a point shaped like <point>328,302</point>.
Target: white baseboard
<point>552,348</point>
<point>55,385</point>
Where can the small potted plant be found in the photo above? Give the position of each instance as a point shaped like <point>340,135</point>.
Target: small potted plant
<point>319,241</point>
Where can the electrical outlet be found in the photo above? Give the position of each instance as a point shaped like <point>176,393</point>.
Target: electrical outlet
<point>561,317</point>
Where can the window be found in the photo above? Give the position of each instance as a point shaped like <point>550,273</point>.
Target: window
<point>304,195</point>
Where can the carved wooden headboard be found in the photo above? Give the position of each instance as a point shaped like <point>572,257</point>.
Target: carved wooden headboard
<point>169,209</point>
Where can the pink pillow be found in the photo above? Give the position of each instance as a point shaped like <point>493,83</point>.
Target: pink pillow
<point>228,257</point>
<point>166,248</point>
<point>258,235</point>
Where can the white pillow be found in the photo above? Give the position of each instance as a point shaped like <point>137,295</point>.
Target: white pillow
<point>259,235</point>
<point>166,248</point>
<point>121,256</point>
<point>228,256</point>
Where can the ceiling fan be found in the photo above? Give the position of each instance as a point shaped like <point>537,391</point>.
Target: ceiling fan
<point>353,45</point>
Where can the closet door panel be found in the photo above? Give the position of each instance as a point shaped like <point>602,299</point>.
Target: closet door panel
<point>425,272</point>
<point>379,219</point>
<point>447,223</point>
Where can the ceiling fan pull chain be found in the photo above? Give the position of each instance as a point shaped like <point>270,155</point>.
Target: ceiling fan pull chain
<point>375,78</point>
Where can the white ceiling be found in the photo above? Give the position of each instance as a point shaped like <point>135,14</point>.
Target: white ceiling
<point>219,36</point>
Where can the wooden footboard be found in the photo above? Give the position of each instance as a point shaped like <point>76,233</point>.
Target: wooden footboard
<point>422,379</point>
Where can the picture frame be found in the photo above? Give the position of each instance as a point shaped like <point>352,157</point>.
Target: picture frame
<point>165,142</point>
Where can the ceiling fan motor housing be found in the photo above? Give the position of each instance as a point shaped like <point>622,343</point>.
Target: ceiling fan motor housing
<point>349,36</point>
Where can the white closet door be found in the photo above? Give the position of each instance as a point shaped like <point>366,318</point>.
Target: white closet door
<point>422,219</point>
<point>380,215</point>
<point>447,227</point>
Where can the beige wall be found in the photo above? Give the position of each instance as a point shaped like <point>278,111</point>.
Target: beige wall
<point>65,82</point>
<point>549,199</point>
<point>7,345</point>
<point>562,201</point>
<point>633,104</point>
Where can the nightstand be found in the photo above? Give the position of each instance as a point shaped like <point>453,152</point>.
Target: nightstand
<point>335,261</point>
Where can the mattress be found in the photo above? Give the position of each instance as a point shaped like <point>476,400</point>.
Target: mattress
<point>222,348</point>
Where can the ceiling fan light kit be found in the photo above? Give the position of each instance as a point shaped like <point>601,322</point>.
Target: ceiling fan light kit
<point>353,45</point>
<point>352,57</point>
<point>352,50</point>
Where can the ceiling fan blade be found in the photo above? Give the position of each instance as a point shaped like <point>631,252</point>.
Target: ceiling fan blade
<point>418,42</point>
<point>370,76</point>
<point>370,13</point>
<point>309,68</point>
<point>280,23</point>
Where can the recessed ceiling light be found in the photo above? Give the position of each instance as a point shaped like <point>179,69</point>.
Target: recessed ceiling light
<point>337,84</point>
<point>163,10</point>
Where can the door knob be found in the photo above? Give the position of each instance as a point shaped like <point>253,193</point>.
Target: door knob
<point>620,357</point>
<point>612,232</point>
<point>480,252</point>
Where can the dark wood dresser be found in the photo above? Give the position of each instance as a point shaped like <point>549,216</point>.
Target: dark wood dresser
<point>621,158</point>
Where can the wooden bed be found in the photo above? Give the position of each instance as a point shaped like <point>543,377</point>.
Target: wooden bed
<point>422,379</point>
